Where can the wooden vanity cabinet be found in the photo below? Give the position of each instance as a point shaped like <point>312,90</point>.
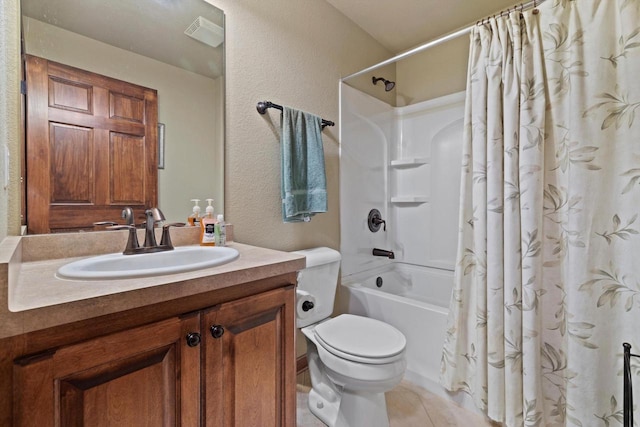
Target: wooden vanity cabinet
<point>249,378</point>
<point>231,364</point>
<point>146,376</point>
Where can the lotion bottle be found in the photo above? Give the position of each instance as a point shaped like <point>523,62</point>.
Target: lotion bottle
<point>209,210</point>
<point>207,224</point>
<point>207,231</point>
<point>194,218</point>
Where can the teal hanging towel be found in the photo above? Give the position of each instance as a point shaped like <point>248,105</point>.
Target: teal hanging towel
<point>304,182</point>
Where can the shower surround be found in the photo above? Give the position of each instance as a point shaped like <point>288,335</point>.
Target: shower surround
<point>405,162</point>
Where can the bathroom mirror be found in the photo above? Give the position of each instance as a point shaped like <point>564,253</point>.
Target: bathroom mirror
<point>145,43</point>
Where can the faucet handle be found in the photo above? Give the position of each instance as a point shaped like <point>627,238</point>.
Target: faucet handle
<point>116,226</point>
<point>174,224</point>
<point>132,241</point>
<point>374,220</point>
<point>166,237</point>
<point>121,227</point>
<point>102,223</point>
<point>378,221</point>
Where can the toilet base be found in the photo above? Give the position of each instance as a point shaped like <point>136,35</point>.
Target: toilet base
<point>353,409</point>
<point>326,411</point>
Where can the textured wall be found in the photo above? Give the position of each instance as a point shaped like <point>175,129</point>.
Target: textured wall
<point>292,53</point>
<point>9,117</point>
<point>439,71</point>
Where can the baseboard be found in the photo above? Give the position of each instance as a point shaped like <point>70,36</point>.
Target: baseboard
<point>301,364</point>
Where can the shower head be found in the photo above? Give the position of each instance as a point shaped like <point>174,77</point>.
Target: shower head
<point>388,85</point>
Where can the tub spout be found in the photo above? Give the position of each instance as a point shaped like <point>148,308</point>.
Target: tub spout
<point>382,252</point>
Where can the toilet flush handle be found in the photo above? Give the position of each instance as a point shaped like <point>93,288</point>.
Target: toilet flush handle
<point>307,305</point>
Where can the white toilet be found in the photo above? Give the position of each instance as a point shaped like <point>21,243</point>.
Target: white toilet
<point>353,360</point>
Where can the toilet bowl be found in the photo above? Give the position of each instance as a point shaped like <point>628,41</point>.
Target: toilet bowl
<point>353,360</point>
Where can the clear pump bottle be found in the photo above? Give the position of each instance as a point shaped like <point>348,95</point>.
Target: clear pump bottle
<point>220,231</point>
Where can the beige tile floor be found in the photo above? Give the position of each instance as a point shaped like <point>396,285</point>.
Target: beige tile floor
<point>407,406</point>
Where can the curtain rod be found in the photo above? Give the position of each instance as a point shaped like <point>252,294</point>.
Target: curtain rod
<point>450,36</point>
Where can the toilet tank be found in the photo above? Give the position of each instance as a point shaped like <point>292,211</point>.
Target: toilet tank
<point>317,283</point>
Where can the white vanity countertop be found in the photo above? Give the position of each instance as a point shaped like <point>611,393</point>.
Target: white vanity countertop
<point>37,299</point>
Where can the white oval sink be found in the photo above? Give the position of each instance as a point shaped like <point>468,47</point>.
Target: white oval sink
<point>119,266</point>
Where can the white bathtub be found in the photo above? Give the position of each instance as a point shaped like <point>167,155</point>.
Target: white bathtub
<point>414,299</point>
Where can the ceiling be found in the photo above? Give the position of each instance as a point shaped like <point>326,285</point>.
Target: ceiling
<point>398,25</point>
<point>152,28</point>
<point>402,24</point>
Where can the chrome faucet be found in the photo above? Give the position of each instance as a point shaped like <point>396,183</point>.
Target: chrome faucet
<point>385,253</point>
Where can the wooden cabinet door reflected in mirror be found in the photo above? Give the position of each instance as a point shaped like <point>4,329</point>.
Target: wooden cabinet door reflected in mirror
<point>91,147</point>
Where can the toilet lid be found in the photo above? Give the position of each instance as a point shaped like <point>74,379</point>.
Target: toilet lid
<point>361,337</point>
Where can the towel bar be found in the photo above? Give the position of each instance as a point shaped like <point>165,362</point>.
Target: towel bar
<point>263,105</point>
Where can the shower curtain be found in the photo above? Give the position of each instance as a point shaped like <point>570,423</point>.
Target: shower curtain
<point>547,282</point>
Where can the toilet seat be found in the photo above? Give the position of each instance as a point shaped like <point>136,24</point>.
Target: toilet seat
<point>361,339</point>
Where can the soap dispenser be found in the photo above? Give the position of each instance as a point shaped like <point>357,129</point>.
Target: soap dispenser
<point>209,210</point>
<point>194,218</point>
<point>207,226</point>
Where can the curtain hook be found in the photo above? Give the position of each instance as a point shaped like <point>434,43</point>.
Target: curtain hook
<point>535,7</point>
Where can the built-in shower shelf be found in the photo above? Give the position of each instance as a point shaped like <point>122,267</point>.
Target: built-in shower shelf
<point>409,162</point>
<point>409,199</point>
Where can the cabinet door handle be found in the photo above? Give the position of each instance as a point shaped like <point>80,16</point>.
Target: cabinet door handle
<point>193,339</point>
<point>217,331</point>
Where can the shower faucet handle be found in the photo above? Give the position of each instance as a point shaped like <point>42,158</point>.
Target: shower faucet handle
<point>378,221</point>
<point>375,220</point>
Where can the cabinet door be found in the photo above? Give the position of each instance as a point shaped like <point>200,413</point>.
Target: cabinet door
<point>147,376</point>
<point>249,361</point>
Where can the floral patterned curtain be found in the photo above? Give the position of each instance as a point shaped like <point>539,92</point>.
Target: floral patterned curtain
<point>547,283</point>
